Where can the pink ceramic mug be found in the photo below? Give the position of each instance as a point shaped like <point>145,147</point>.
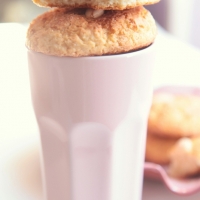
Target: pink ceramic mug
<point>92,114</point>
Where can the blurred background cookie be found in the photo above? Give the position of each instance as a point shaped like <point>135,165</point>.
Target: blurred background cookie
<point>83,32</point>
<point>175,116</point>
<point>158,149</point>
<point>185,158</point>
<point>173,137</point>
<point>95,4</point>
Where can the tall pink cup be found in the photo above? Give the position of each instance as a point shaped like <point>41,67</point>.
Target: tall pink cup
<point>92,114</point>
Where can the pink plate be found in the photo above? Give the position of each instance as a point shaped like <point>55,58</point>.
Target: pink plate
<point>151,170</point>
<point>178,186</point>
<point>187,90</point>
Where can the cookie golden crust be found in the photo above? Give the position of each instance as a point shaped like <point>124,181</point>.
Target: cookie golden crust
<point>63,32</point>
<point>95,4</point>
<point>175,116</point>
<point>158,149</point>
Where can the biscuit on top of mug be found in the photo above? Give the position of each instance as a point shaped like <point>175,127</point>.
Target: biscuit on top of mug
<point>95,4</point>
<point>63,32</point>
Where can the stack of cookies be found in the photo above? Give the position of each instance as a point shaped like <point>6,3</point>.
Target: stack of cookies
<point>173,137</point>
<point>91,28</point>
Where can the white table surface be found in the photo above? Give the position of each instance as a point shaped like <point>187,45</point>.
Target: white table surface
<point>177,63</point>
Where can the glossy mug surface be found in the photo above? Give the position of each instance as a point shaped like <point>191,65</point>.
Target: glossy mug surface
<point>92,115</point>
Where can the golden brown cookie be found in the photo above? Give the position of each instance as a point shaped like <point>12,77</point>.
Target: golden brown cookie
<point>185,158</point>
<point>175,116</point>
<point>158,149</point>
<point>61,32</point>
<point>95,4</point>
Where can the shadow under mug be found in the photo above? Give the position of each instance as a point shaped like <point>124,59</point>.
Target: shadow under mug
<point>92,115</point>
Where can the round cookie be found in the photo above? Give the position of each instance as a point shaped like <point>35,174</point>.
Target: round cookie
<point>174,116</point>
<point>95,4</point>
<point>158,149</point>
<point>185,158</point>
<point>63,32</point>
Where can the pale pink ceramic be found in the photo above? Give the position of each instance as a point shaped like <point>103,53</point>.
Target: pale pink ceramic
<point>182,187</point>
<point>154,171</point>
<point>92,114</point>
